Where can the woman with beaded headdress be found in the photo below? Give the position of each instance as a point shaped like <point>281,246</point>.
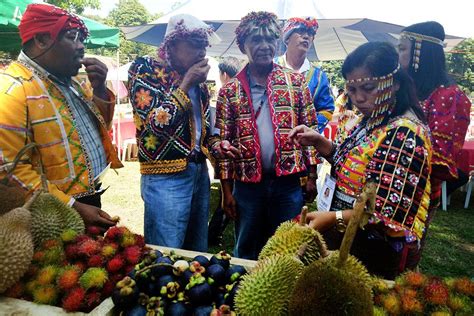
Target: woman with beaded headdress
<point>445,106</point>
<point>389,146</point>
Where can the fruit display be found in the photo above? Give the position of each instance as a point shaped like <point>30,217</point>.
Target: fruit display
<point>16,244</point>
<point>78,271</point>
<point>290,236</point>
<point>166,284</point>
<point>417,294</point>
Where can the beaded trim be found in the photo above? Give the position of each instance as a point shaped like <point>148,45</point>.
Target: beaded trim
<point>418,38</point>
<point>383,105</point>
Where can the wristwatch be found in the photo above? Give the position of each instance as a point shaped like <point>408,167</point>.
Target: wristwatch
<point>340,225</point>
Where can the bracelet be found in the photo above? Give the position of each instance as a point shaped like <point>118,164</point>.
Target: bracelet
<point>332,152</point>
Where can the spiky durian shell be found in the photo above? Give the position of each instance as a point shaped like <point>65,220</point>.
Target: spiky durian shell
<point>51,217</point>
<point>265,290</point>
<point>16,246</point>
<point>354,266</point>
<point>290,237</point>
<point>323,289</point>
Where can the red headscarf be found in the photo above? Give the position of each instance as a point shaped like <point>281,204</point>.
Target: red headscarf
<point>46,18</point>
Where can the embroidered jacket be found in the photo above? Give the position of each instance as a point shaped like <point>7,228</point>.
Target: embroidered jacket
<point>318,85</point>
<point>397,157</point>
<point>163,117</point>
<point>290,105</point>
<point>31,113</point>
<point>447,111</point>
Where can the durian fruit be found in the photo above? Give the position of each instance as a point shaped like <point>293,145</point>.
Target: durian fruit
<point>323,289</point>
<point>338,284</point>
<point>16,244</point>
<point>51,217</point>
<point>11,197</point>
<point>290,236</point>
<point>265,290</point>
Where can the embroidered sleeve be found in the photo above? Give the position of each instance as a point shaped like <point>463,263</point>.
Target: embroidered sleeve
<point>448,116</point>
<point>226,124</point>
<point>157,103</point>
<point>15,134</point>
<point>323,100</point>
<point>307,116</point>
<point>400,167</point>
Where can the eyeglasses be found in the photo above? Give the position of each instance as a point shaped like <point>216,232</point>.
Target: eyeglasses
<point>75,36</point>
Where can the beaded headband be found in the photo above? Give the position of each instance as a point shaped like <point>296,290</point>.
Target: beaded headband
<point>383,105</point>
<point>418,38</point>
<point>254,20</point>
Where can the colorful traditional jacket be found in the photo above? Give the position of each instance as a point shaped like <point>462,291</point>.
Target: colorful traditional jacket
<point>318,84</point>
<point>397,157</point>
<point>33,109</point>
<point>447,110</point>
<point>290,105</point>
<point>163,117</point>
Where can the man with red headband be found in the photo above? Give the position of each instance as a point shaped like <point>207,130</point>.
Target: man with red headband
<point>298,35</point>
<point>41,103</point>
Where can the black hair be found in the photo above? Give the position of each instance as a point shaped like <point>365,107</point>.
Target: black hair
<point>431,72</point>
<point>381,58</point>
<point>229,65</point>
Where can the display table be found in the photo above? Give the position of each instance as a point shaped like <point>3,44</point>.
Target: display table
<point>12,306</point>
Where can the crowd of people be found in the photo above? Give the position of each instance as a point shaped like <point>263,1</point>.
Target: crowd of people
<point>407,125</point>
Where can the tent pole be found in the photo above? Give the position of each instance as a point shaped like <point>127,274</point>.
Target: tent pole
<point>117,98</point>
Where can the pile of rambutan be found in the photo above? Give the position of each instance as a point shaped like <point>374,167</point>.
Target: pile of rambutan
<point>417,294</point>
<point>77,272</point>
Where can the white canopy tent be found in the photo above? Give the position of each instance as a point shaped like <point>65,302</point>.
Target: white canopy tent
<point>334,40</point>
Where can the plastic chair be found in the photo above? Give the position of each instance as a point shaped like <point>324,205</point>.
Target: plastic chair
<point>468,191</point>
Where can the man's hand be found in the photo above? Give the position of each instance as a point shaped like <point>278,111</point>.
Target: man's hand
<point>310,190</point>
<point>196,74</point>
<point>94,216</point>
<point>224,149</point>
<point>303,135</point>
<point>97,74</point>
<point>229,205</point>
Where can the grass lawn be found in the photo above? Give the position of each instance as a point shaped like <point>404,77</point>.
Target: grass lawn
<point>450,244</point>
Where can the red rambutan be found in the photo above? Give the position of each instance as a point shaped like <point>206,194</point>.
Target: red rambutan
<point>436,293</point>
<point>109,249</point>
<point>415,279</point>
<point>113,233</point>
<point>72,300</point>
<point>81,266</point>
<point>71,251</point>
<point>93,230</point>
<point>50,243</point>
<point>88,248</point>
<point>47,275</point>
<point>68,277</point>
<point>95,261</point>
<point>16,290</point>
<point>132,254</point>
<point>411,304</point>
<point>38,256</point>
<point>91,300</point>
<point>464,286</point>
<point>115,264</point>
<point>108,288</point>
<point>139,241</point>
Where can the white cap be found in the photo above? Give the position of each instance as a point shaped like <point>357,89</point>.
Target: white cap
<point>186,23</point>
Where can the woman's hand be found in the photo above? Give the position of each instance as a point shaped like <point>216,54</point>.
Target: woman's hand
<point>304,136</point>
<point>321,221</point>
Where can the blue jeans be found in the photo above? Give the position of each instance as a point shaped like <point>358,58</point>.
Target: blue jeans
<point>261,208</point>
<point>177,208</point>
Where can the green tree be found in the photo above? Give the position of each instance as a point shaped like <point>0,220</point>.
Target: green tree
<point>460,64</point>
<point>333,70</point>
<point>131,13</point>
<point>76,6</point>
